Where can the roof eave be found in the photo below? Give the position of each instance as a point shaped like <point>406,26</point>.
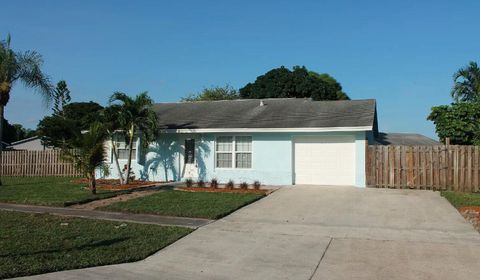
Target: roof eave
<point>24,140</point>
<point>251,130</point>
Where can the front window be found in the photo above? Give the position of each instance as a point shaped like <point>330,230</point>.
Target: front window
<point>234,151</point>
<point>122,149</point>
<point>224,151</point>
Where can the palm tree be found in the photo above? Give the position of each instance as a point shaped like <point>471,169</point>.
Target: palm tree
<point>110,118</point>
<point>137,119</point>
<point>23,67</point>
<point>467,83</point>
<point>88,152</point>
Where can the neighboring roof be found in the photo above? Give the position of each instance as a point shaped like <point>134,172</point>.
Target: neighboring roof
<point>280,113</point>
<point>24,140</point>
<point>4,144</point>
<point>407,139</point>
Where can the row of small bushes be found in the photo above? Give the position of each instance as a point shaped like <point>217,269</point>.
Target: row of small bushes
<point>214,184</point>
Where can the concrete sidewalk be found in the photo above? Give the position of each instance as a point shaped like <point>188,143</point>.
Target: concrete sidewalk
<point>110,216</point>
<point>311,232</point>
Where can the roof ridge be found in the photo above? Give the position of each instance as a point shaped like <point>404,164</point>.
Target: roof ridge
<point>259,99</point>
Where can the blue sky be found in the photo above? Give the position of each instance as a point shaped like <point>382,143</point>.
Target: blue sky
<point>402,53</point>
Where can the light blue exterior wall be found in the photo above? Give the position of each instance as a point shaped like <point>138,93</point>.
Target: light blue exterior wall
<point>272,158</point>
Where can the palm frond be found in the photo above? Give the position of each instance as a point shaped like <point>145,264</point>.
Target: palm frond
<point>467,83</point>
<point>89,152</point>
<point>120,97</point>
<point>136,112</point>
<point>8,63</point>
<point>29,72</point>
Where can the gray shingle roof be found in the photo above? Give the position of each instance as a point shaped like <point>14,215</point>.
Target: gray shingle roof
<point>407,139</point>
<point>276,113</point>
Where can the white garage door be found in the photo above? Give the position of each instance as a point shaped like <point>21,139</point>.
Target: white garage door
<point>325,160</point>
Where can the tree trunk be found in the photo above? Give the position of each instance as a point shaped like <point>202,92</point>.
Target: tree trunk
<point>93,183</point>
<point>130,150</point>
<point>166,173</point>
<point>115,158</point>
<point>2,108</point>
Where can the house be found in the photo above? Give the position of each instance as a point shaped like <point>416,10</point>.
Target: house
<point>406,139</point>
<point>29,144</point>
<point>276,141</point>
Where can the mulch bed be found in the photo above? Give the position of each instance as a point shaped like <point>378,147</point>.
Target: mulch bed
<point>471,214</point>
<point>114,185</point>
<point>222,190</point>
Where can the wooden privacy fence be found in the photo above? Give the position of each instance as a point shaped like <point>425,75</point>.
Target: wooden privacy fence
<point>448,167</point>
<point>36,163</point>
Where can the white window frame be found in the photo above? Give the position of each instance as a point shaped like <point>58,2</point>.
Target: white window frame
<point>122,145</point>
<point>234,152</point>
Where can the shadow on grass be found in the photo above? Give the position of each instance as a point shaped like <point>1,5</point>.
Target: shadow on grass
<point>91,245</point>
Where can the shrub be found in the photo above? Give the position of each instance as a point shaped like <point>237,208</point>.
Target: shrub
<point>189,183</point>
<point>214,183</point>
<point>201,183</point>
<point>256,185</point>
<point>244,185</point>
<point>230,184</point>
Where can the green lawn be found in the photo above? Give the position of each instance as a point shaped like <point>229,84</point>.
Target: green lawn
<point>52,191</point>
<point>186,204</point>
<point>458,199</point>
<point>40,243</point>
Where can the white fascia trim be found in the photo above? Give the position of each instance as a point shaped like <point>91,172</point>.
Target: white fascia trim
<point>297,129</point>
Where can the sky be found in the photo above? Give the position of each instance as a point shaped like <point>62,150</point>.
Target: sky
<point>401,53</point>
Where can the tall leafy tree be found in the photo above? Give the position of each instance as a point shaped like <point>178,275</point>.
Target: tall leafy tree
<point>87,152</point>
<point>15,132</point>
<point>460,122</point>
<point>61,97</point>
<point>332,84</point>
<point>466,85</point>
<point>226,92</point>
<point>298,83</point>
<point>24,67</point>
<point>137,119</point>
<point>59,128</point>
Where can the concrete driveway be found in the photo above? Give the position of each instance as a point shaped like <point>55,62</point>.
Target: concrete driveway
<point>309,232</point>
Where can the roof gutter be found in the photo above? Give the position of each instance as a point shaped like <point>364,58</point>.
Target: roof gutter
<point>296,129</point>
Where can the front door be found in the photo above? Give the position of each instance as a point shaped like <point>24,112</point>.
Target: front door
<point>189,151</point>
<point>190,169</point>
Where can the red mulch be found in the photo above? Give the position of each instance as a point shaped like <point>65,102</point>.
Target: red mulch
<point>471,214</point>
<point>222,190</point>
<point>112,184</point>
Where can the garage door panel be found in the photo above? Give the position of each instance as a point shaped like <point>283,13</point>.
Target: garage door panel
<point>326,160</point>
